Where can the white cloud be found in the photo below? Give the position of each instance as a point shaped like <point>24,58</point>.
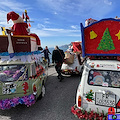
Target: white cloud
<point>55,13</point>
<point>3,19</point>
<point>46,20</point>
<point>40,26</point>
<point>7,6</point>
<point>47,32</point>
<point>13,5</point>
<point>83,8</point>
<point>74,26</point>
<point>107,2</point>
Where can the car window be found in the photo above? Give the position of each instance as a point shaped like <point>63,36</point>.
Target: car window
<point>33,70</point>
<point>13,72</point>
<point>105,78</point>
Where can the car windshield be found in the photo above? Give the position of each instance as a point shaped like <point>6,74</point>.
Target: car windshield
<point>13,73</point>
<point>104,78</point>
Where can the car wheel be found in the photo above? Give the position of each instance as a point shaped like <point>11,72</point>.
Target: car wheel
<point>42,92</point>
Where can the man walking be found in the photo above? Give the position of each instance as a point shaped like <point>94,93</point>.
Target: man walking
<point>46,54</point>
<point>58,57</point>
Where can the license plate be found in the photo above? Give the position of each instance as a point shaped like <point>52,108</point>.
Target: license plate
<point>108,100</point>
<point>9,88</point>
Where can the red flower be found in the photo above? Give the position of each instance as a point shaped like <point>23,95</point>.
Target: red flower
<point>102,114</point>
<point>80,117</point>
<point>73,110</point>
<point>100,118</point>
<point>86,118</point>
<point>83,114</point>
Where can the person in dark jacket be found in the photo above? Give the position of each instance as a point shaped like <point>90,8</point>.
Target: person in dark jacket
<point>46,54</point>
<point>57,58</point>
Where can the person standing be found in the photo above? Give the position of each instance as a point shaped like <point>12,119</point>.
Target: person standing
<point>46,54</point>
<point>57,58</point>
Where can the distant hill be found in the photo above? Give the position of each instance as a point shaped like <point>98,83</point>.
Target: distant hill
<point>65,46</point>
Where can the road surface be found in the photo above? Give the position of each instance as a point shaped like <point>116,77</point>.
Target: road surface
<point>56,105</point>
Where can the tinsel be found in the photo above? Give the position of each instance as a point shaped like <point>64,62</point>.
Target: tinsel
<point>8,103</point>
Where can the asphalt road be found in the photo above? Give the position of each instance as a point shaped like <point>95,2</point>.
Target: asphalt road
<point>55,105</point>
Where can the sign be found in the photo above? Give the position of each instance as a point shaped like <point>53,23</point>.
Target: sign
<point>20,43</point>
<point>105,99</point>
<point>110,66</point>
<point>101,38</point>
<point>9,88</point>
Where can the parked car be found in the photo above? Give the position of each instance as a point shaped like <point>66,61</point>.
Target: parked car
<point>99,86</point>
<point>73,60</point>
<point>21,82</point>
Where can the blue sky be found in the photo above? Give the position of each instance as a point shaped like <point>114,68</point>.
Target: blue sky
<point>57,22</point>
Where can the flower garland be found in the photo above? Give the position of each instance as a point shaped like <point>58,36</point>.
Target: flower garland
<point>8,103</point>
<point>88,115</point>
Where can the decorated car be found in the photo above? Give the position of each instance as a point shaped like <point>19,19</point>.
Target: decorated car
<point>73,60</point>
<point>99,87</point>
<point>23,71</point>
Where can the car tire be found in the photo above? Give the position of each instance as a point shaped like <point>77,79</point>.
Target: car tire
<point>42,92</point>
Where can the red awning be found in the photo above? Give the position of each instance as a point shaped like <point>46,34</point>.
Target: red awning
<point>77,47</point>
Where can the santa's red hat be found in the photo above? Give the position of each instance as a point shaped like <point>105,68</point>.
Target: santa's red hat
<point>12,15</point>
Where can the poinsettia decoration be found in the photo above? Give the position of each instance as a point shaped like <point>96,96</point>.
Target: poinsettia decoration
<point>88,115</point>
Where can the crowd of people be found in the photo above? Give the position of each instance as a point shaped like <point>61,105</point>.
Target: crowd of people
<point>57,59</point>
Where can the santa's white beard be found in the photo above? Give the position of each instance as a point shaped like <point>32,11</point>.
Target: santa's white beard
<point>19,20</point>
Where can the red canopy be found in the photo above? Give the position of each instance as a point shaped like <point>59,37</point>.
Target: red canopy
<point>37,38</point>
<point>77,47</point>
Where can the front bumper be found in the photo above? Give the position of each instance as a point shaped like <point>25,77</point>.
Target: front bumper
<point>70,72</point>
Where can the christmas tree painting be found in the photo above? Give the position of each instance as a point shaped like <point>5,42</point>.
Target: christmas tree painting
<point>106,42</point>
<point>89,96</point>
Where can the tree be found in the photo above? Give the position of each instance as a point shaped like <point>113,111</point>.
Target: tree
<point>89,96</point>
<point>106,42</point>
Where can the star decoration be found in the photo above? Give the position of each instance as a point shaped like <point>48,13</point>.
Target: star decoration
<point>118,34</point>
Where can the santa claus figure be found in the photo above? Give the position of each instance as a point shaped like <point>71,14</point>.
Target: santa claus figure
<point>19,27</point>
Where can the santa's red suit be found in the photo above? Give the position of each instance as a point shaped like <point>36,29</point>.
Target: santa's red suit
<point>37,38</point>
<point>20,27</point>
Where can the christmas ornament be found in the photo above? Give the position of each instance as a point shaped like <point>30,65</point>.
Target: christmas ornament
<point>89,96</point>
<point>118,35</point>
<point>93,35</point>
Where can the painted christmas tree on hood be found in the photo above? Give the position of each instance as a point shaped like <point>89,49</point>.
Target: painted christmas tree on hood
<point>106,42</point>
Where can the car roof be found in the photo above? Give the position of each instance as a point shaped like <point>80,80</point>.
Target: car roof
<point>103,64</point>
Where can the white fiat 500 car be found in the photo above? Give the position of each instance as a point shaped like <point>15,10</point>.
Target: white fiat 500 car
<point>99,87</point>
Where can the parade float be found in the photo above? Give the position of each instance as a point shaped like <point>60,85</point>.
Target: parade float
<point>73,60</point>
<point>99,87</point>
<point>23,72</point>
